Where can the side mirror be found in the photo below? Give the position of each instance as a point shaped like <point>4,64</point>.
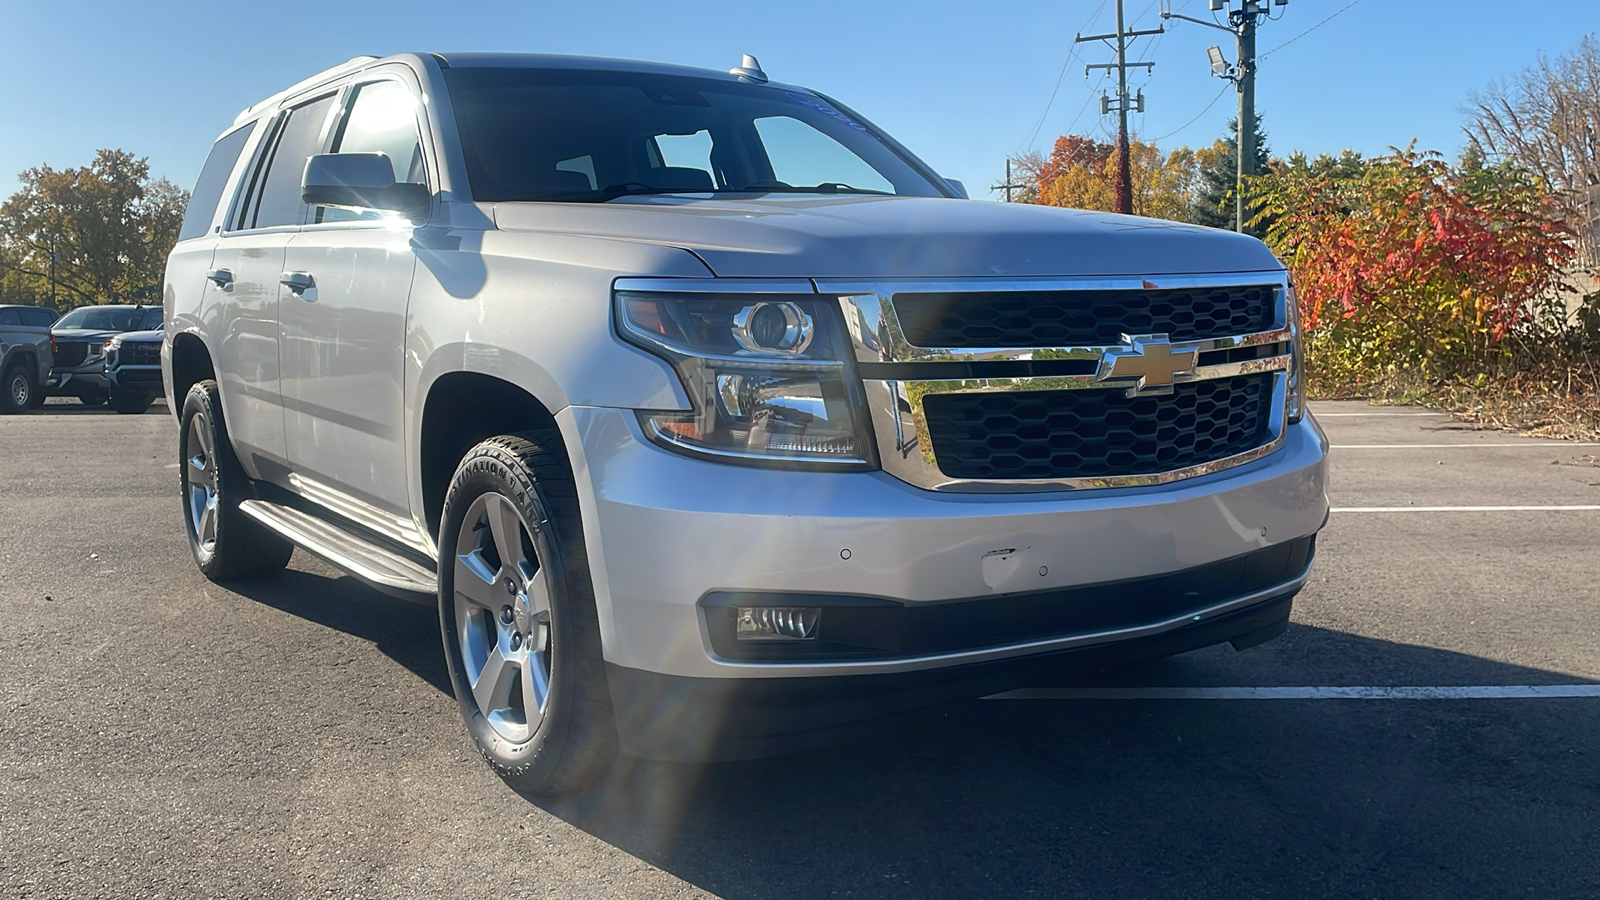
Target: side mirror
<point>960,189</point>
<point>360,181</point>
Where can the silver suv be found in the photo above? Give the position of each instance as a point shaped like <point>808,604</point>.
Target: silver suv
<point>710,418</point>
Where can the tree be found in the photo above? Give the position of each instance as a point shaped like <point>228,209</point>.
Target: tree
<point>1413,263</point>
<point>1546,119</point>
<point>110,225</point>
<point>1219,172</point>
<point>1081,173</point>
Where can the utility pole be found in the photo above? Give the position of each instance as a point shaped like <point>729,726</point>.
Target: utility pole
<point>1122,103</point>
<point>1007,185</point>
<point>1242,25</point>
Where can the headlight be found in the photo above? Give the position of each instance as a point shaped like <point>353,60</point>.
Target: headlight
<point>1297,357</point>
<point>766,374</point>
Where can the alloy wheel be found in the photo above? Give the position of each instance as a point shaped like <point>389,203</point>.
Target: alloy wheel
<point>200,483</point>
<point>502,613</point>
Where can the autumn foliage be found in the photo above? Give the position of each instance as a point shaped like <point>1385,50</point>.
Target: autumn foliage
<point>1409,261</point>
<point>1081,173</point>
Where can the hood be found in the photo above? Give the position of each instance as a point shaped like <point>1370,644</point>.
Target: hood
<point>91,335</point>
<point>807,236</point>
<point>130,336</point>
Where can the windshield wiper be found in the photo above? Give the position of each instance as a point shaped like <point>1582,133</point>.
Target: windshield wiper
<point>827,187</point>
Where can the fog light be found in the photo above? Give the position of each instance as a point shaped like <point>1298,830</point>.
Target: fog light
<point>777,623</point>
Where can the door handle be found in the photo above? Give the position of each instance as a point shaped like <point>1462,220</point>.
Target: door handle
<point>222,277</point>
<point>297,282</point>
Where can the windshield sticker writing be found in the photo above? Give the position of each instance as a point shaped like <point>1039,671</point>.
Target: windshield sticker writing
<point>825,109</point>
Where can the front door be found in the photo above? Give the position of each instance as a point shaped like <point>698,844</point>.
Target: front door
<point>343,327</point>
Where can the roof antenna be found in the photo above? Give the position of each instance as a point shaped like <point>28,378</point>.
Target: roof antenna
<point>750,70</point>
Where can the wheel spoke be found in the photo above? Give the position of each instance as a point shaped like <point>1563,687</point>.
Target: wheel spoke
<point>506,526</point>
<point>492,688</point>
<point>200,474</point>
<point>535,687</point>
<point>206,529</point>
<point>477,581</point>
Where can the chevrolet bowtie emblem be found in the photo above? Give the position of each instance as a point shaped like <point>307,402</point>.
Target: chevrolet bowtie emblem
<point>1149,358</point>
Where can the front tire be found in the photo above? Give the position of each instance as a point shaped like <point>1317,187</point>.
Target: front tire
<point>227,545</point>
<point>20,393</point>
<point>93,397</point>
<point>517,612</point>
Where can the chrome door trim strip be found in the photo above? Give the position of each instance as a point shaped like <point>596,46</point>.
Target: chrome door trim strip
<point>1048,645</point>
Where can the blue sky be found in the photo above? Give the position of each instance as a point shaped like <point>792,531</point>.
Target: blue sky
<point>962,84</point>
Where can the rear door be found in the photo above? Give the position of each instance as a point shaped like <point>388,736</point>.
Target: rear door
<point>343,336</point>
<point>244,281</point>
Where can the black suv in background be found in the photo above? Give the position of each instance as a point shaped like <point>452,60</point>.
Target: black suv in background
<point>25,357</point>
<point>80,340</point>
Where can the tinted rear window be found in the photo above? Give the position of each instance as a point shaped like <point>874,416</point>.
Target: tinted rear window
<point>208,190</point>
<point>38,315</point>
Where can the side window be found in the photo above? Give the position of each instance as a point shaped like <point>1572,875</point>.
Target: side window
<point>10,317</point>
<point>802,156</point>
<point>213,179</point>
<point>382,119</point>
<point>38,316</point>
<point>298,139</point>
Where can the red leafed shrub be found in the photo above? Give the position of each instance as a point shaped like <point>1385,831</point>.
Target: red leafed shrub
<point>1406,262</point>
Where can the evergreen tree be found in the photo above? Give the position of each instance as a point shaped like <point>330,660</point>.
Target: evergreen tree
<point>1219,170</point>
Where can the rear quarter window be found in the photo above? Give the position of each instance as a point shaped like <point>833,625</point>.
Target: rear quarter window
<point>207,194</point>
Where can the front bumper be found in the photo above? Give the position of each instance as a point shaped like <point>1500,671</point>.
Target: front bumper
<point>664,531</point>
<point>680,718</point>
<point>144,379</point>
<point>76,382</point>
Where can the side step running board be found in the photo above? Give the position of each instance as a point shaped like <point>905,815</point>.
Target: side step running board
<point>384,569</point>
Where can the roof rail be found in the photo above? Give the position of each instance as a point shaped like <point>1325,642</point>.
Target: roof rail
<point>343,68</point>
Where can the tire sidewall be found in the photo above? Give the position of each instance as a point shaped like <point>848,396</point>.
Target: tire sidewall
<point>535,759</point>
<point>14,372</point>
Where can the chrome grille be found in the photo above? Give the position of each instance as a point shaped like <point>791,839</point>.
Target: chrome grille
<point>1036,384</point>
<point>1081,318</point>
<point>140,353</point>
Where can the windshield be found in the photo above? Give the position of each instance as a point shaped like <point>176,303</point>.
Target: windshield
<point>592,136</point>
<point>106,318</point>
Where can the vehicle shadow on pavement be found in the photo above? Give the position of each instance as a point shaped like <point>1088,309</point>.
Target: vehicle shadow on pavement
<point>67,406</point>
<point>407,633</point>
<point>1153,798</point>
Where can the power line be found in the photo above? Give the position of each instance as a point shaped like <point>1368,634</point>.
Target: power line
<point>1302,34</point>
<point>1193,120</point>
<point>1124,103</point>
<point>1061,77</point>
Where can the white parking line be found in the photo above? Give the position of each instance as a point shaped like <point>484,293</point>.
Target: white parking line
<point>1374,415</point>
<point>1479,692</point>
<point>1543,445</point>
<point>1401,509</point>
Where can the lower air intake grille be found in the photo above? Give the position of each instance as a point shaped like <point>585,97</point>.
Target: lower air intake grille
<point>1099,432</point>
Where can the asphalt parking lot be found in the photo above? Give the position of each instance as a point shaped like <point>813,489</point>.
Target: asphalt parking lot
<point>164,737</point>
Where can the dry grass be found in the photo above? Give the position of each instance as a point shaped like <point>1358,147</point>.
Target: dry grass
<point>1556,402</point>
